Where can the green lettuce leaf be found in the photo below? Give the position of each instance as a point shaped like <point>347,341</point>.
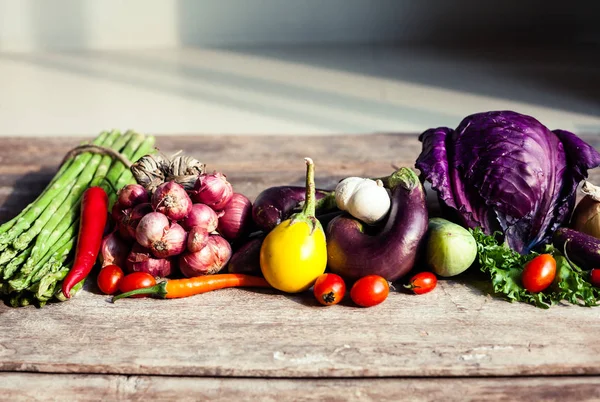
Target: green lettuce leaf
<point>505,266</point>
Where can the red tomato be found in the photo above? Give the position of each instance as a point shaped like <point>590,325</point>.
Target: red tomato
<point>423,282</point>
<point>539,273</point>
<point>329,289</point>
<point>595,277</point>
<point>109,278</point>
<point>136,280</point>
<point>369,290</point>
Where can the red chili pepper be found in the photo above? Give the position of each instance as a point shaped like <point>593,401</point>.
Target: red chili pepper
<point>94,211</point>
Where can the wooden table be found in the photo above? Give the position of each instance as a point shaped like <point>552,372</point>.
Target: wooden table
<point>456,343</point>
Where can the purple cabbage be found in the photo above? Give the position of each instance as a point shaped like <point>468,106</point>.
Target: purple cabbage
<point>504,171</point>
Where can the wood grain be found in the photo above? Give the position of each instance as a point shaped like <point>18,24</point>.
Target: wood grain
<point>30,386</point>
<point>251,163</point>
<point>455,331</point>
<point>458,330</point>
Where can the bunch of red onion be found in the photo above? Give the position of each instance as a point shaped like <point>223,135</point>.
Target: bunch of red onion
<point>174,228</point>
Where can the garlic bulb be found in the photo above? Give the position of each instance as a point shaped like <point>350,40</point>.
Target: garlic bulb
<point>365,199</point>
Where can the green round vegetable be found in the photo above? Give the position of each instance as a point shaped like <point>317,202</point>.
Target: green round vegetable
<point>450,248</point>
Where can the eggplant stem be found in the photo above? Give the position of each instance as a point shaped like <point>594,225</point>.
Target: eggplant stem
<point>309,209</point>
<point>404,176</point>
<point>309,204</point>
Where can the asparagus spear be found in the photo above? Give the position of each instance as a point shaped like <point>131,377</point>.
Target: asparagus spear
<point>66,199</point>
<point>44,288</point>
<point>50,279</point>
<point>133,146</point>
<point>117,167</point>
<point>23,279</point>
<point>8,254</point>
<point>15,264</point>
<point>26,220</point>
<point>56,227</point>
<point>59,257</point>
<point>42,273</point>
<point>63,168</point>
<point>15,300</point>
<point>119,175</point>
<point>145,148</point>
<point>108,162</point>
<point>24,239</point>
<point>60,221</point>
<point>9,224</point>
<point>36,267</point>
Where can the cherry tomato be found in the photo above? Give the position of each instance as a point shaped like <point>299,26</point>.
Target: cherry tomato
<point>595,277</point>
<point>109,278</point>
<point>539,273</point>
<point>329,289</point>
<point>423,282</point>
<point>136,280</point>
<point>369,290</point>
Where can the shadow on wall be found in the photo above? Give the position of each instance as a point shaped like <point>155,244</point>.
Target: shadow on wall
<point>206,22</point>
<point>528,75</point>
<point>499,48</point>
<point>493,67</point>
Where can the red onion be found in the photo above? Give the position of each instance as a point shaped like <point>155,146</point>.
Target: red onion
<point>209,260</point>
<point>151,228</point>
<point>237,217</point>
<point>201,215</point>
<point>132,195</point>
<point>129,223</point>
<point>141,260</point>
<point>118,211</point>
<point>197,238</point>
<point>136,215</point>
<point>172,243</point>
<point>172,200</point>
<point>213,190</point>
<point>121,217</point>
<point>113,250</point>
<point>155,233</point>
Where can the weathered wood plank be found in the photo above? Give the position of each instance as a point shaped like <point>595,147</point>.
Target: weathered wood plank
<point>252,163</point>
<point>85,387</point>
<point>455,331</point>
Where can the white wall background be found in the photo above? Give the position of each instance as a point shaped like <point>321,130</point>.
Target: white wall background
<point>75,67</point>
<point>27,25</point>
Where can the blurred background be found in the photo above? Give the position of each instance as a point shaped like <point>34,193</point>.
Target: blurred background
<point>75,67</point>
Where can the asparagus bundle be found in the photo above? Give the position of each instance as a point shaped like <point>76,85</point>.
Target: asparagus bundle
<point>36,246</point>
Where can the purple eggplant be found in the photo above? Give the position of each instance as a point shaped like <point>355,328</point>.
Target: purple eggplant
<point>246,260</point>
<point>355,250</point>
<point>276,204</point>
<point>581,248</point>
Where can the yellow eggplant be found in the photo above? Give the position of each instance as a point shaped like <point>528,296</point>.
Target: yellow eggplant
<point>294,253</point>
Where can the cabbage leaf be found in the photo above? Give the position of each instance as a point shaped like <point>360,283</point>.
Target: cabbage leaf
<point>506,172</point>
